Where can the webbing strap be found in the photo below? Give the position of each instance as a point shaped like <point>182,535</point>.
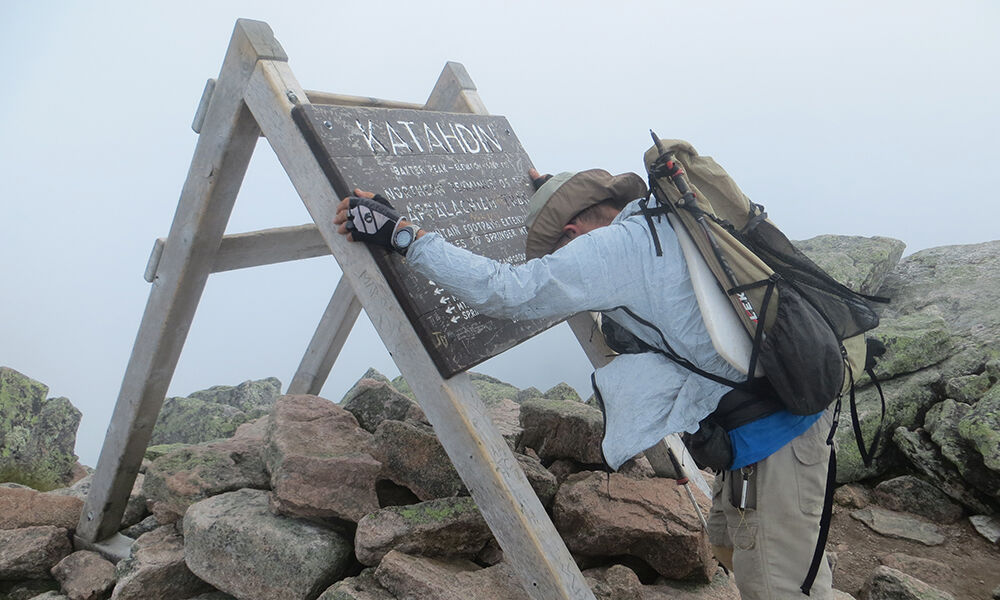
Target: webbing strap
<point>867,454</point>
<point>758,337</point>
<point>648,213</point>
<point>824,521</point>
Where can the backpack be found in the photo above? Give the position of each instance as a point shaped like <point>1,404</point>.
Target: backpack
<point>806,330</point>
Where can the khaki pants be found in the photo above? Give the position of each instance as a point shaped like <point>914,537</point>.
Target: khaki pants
<point>773,544</point>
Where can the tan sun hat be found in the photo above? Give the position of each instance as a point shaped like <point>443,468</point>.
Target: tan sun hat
<point>566,195</point>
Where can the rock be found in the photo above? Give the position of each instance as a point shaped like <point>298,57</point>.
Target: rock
<point>412,457</point>
<point>907,398</point>
<point>859,263</point>
<point>897,525</point>
<point>925,456</point>
<point>442,528</point>
<point>414,577</point>
<point>26,507</point>
<point>981,428</point>
<point>144,526</point>
<point>562,429</point>
<point>30,552</point>
<point>177,480</point>
<point>961,280</point>
<point>942,422</point>
<point>530,393</point>
<point>542,481</point>
<point>362,587</point>
<point>37,435</point>
<point>616,582</point>
<point>924,569</point>
<point>967,388</point>
<point>987,526</point>
<point>890,584</point>
<point>852,496</point>
<point>722,587</point>
<point>85,575</point>
<point>235,543</point>
<point>320,461</point>
<point>611,515</point>
<point>31,589</point>
<point>562,391</point>
<point>910,494</point>
<point>913,342</point>
<point>135,508</point>
<point>372,401</point>
<point>155,569</point>
<point>214,413</point>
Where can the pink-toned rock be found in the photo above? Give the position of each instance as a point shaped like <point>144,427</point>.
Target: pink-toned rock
<point>320,461</point>
<point>431,579</point>
<point>30,552</point>
<point>651,519</point>
<point>155,569</point>
<point>21,507</point>
<point>562,429</point>
<point>85,575</point>
<point>924,569</point>
<point>617,582</point>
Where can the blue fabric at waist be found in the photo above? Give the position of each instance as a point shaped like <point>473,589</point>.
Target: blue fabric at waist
<point>759,439</point>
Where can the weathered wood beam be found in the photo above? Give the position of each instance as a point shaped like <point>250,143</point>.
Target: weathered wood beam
<point>217,168</point>
<point>255,249</point>
<point>314,97</point>
<point>478,451</point>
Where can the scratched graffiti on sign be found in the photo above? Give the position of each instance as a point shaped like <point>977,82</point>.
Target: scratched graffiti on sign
<point>461,175</point>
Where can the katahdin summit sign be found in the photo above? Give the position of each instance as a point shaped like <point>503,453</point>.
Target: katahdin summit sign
<point>464,176</point>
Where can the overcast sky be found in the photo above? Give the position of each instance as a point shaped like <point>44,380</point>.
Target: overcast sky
<point>847,117</point>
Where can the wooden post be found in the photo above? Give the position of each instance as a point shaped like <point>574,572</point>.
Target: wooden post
<point>476,448</point>
<point>214,178</point>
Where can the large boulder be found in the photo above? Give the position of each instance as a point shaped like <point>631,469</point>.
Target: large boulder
<point>30,552</point>
<point>155,569</point>
<point>189,474</point>
<point>37,434</point>
<point>454,579</point>
<point>926,458</point>
<point>914,495</point>
<point>942,422</point>
<point>898,525</point>
<point>85,575</point>
<point>599,514</point>
<point>412,457</point>
<point>214,413</point>
<point>135,509</point>
<point>446,527</point>
<point>320,460</point>
<point>860,263</point>
<point>234,542</point>
<point>980,427</point>
<point>26,508</point>
<point>557,429</point>
<point>362,587</point>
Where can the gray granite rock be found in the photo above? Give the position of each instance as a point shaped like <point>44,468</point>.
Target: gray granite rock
<point>214,413</point>
<point>414,577</point>
<point>234,542</point>
<point>37,434</point>
<point>85,575</point>
<point>988,526</point>
<point>890,584</point>
<point>898,525</point>
<point>923,455</point>
<point>155,569</point>
<point>412,457</point>
<point>911,494</point>
<point>441,528</point>
<point>362,587</point>
<point>557,429</point>
<point>943,423</point>
<point>980,426</point>
<point>860,263</point>
<point>372,401</point>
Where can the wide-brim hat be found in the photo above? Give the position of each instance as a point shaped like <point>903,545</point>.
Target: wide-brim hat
<point>565,196</point>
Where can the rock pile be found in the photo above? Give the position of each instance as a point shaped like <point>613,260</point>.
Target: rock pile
<point>358,500</point>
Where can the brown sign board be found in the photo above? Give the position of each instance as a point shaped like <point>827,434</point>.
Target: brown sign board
<point>461,175</point>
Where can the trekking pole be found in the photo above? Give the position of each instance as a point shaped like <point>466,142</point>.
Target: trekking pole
<point>682,480</point>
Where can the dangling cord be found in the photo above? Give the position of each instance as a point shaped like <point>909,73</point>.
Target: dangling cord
<point>824,521</point>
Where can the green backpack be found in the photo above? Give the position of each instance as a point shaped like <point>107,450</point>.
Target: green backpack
<point>806,329</point>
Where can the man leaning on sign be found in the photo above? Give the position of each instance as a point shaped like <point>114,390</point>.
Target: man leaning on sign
<point>590,249</point>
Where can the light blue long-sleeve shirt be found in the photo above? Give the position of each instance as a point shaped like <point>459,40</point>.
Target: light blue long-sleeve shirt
<point>646,396</point>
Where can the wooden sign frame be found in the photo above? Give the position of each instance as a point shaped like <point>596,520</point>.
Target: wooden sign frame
<point>254,95</point>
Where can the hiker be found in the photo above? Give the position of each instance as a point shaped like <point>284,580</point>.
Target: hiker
<point>590,249</point>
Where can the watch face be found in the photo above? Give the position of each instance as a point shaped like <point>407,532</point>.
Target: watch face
<point>403,237</point>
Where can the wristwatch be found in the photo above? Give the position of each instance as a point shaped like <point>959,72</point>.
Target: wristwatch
<point>403,237</point>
